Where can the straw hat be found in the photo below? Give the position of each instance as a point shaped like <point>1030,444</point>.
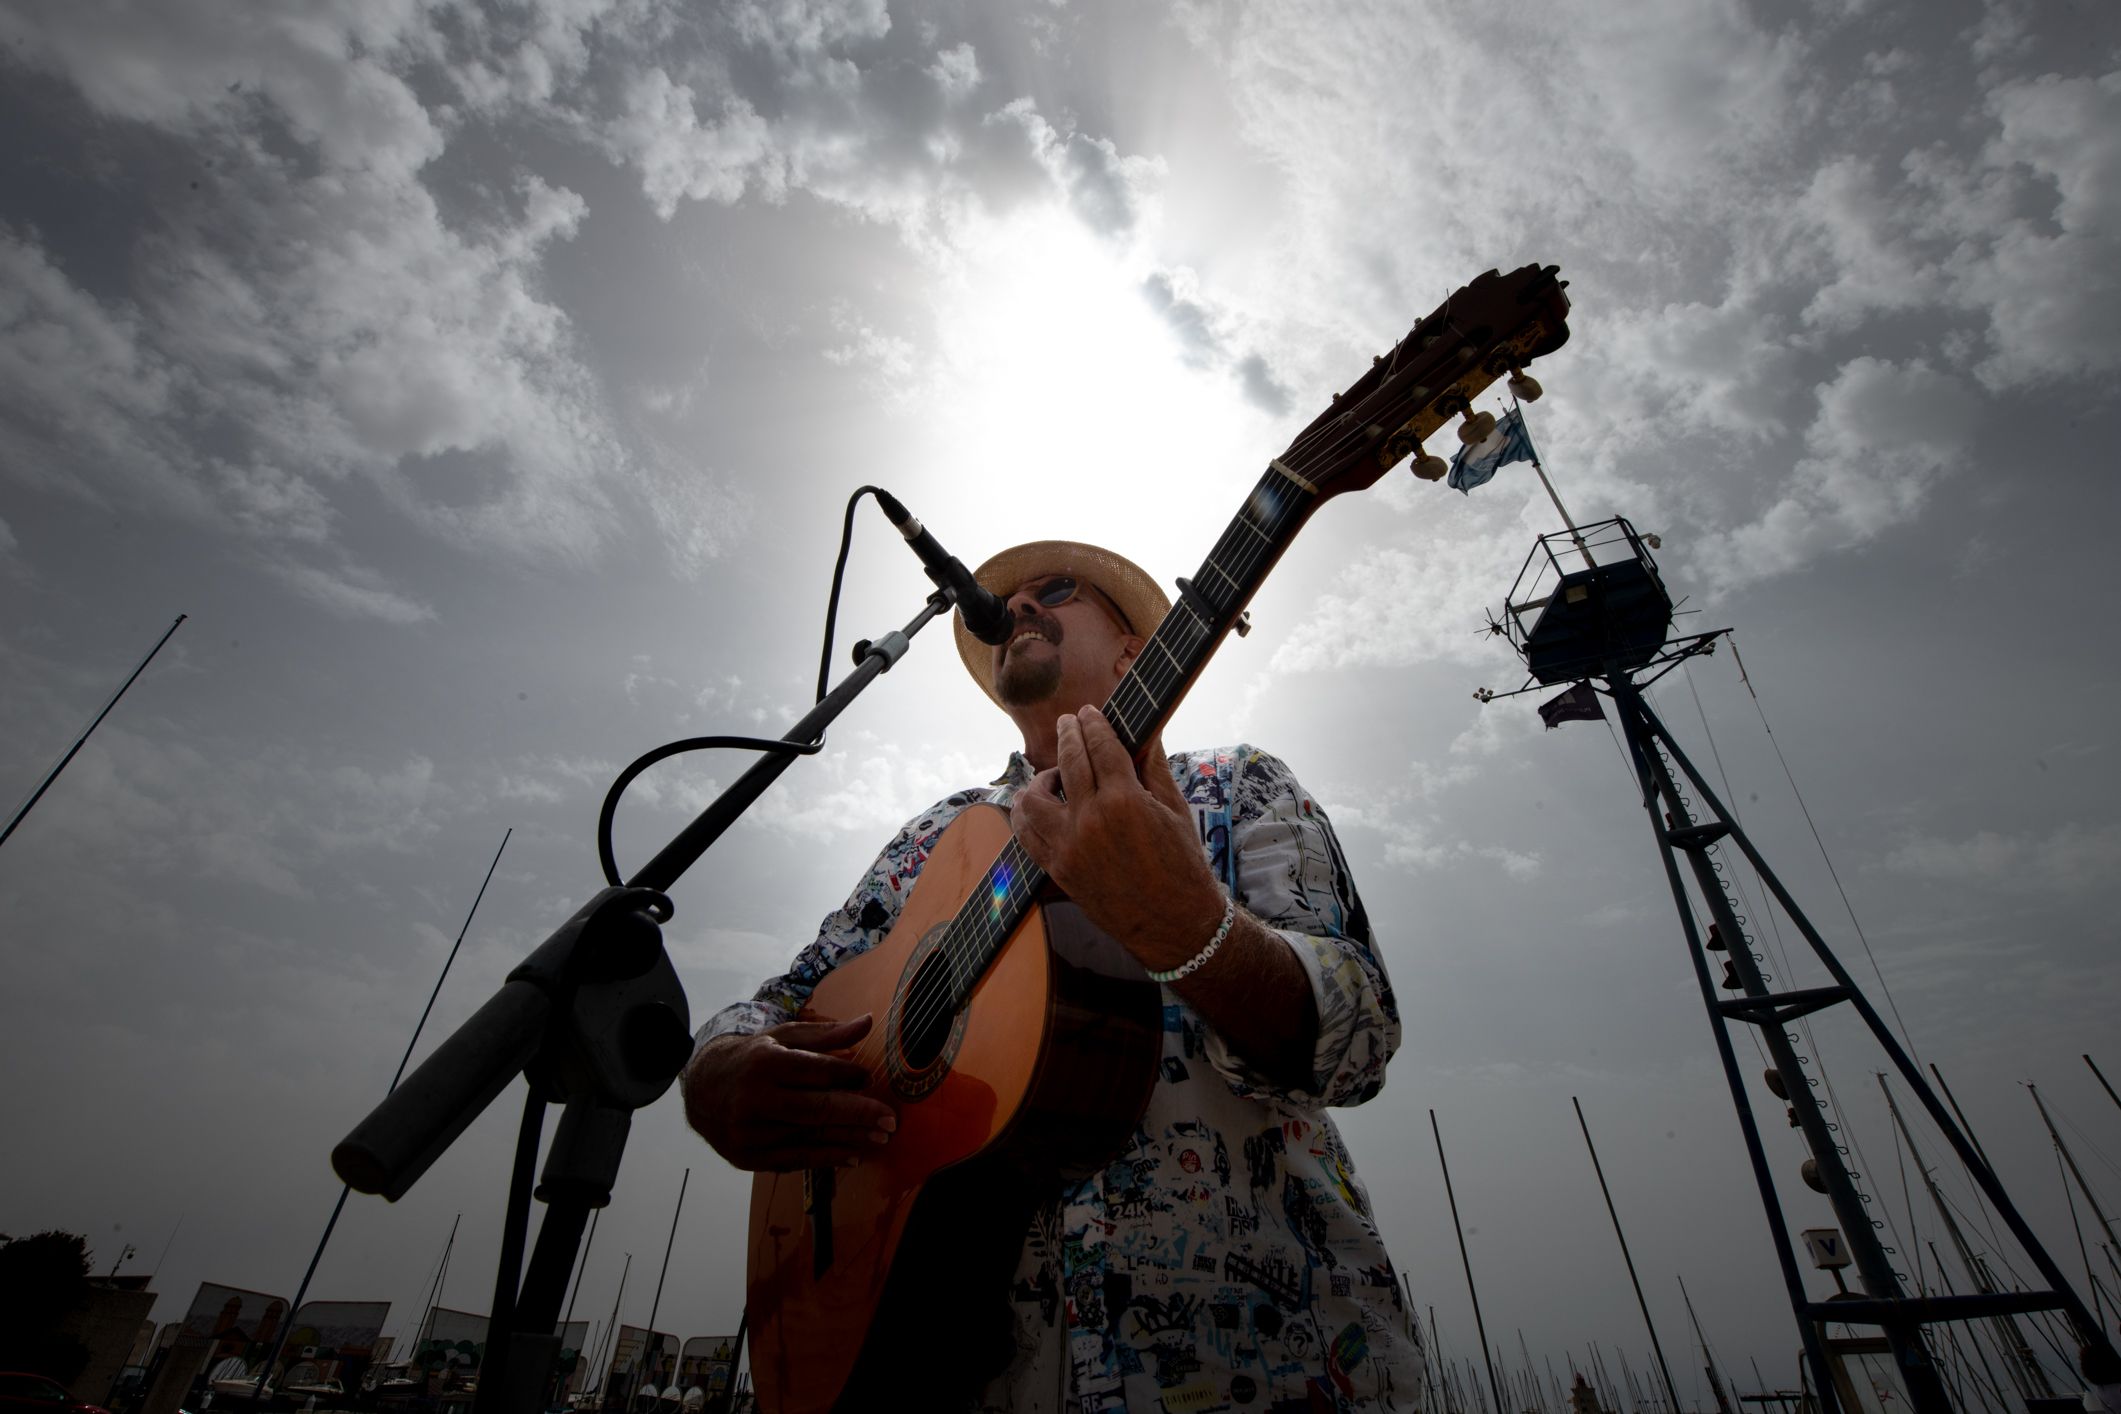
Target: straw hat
<point>1122,581</point>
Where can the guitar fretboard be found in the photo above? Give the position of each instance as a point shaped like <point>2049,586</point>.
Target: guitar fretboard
<point>1208,603</point>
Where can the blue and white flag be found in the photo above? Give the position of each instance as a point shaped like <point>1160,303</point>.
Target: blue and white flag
<point>1476,465</point>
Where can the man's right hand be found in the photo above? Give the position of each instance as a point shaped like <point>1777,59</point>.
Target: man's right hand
<point>782,1100</point>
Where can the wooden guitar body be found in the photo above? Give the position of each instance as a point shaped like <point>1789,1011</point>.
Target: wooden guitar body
<point>1040,1078</point>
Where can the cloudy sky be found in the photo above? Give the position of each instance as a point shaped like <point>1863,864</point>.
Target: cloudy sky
<point>485,383</point>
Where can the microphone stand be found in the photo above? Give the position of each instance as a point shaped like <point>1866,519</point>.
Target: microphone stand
<point>595,1020</point>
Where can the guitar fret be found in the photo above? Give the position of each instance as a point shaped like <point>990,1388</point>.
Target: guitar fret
<point>1227,577</point>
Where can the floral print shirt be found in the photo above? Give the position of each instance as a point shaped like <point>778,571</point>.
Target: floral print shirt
<point>1227,1258</point>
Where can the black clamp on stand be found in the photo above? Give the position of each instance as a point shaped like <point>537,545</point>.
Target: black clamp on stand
<point>595,1020</point>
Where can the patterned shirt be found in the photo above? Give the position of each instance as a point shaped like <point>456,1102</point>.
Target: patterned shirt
<point>1227,1258</point>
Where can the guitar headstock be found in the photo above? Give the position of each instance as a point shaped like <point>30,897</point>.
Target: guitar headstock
<point>1486,330</point>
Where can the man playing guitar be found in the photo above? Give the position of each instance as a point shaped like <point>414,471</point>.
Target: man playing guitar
<point>1226,1257</point>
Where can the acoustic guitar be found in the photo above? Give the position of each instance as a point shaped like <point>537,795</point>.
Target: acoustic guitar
<point>1018,1044</point>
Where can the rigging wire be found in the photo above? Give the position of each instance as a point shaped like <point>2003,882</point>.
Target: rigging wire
<point>2098,1308</point>
<point>1832,872</point>
<point>1838,1116</point>
<point>2085,1139</point>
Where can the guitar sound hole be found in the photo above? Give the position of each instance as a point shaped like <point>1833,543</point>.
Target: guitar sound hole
<point>928,1015</point>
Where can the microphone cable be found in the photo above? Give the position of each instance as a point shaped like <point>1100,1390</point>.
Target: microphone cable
<point>605,855</point>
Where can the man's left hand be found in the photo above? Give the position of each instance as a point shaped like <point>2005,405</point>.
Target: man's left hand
<point>1122,842</point>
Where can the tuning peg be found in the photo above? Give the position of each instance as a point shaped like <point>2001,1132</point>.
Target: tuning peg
<point>1427,466</point>
<point>1476,428</point>
<point>1524,387</point>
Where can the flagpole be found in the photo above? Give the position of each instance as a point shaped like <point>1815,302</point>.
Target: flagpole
<point>1566,519</point>
<point>38,793</point>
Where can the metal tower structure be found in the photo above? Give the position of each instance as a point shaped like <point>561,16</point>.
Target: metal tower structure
<point>1589,608</point>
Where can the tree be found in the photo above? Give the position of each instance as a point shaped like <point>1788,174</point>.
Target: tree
<point>43,1280</point>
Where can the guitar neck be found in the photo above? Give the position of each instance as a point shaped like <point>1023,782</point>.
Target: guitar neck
<point>1159,678</point>
<point>1208,604</point>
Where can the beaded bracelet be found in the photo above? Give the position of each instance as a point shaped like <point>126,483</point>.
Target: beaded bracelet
<point>1200,959</point>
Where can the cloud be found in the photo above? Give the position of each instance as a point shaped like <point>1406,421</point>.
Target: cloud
<point>955,71</point>
<point>1419,839</point>
<point>266,817</point>
<point>1108,190</point>
<point>2053,293</point>
<point>1883,434</point>
<point>1207,335</point>
<point>2072,857</point>
<point>888,363</point>
<point>352,592</point>
<point>191,65</point>
<point>659,131</point>
<point>804,29</point>
<point>861,790</point>
<point>310,312</point>
<point>1396,605</point>
<point>82,401</point>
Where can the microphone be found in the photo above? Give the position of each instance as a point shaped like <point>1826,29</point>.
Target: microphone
<point>986,614</point>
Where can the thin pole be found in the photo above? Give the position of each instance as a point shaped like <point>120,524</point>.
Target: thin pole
<point>1999,1324</point>
<point>583,1270</point>
<point>2071,1160</point>
<point>1960,1115</point>
<point>1436,1353</point>
<point>611,1330</point>
<point>1988,1372</point>
<point>38,794</point>
<point>2083,1252</point>
<point>425,1329</point>
<point>736,1364</point>
<point>1539,1395</point>
<point>165,1249</point>
<point>1671,1391</point>
<point>1708,1358</point>
<point>1429,1356</point>
<point>2102,1081</point>
<point>1466,1261</point>
<point>657,1304</point>
<point>1559,509</point>
<point>280,1343</point>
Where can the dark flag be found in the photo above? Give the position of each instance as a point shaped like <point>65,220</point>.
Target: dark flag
<point>1578,704</point>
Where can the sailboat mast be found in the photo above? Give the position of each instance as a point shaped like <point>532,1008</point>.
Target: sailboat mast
<point>1708,1361</point>
<point>1479,1325</point>
<point>2004,1326</point>
<point>2071,1159</point>
<point>2102,1082</point>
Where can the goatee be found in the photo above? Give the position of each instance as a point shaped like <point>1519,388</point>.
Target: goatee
<point>1025,679</point>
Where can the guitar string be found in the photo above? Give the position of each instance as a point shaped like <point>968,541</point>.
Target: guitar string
<point>965,963</point>
<point>968,948</point>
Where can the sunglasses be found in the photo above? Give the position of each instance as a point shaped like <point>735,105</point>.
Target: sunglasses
<point>1061,588</point>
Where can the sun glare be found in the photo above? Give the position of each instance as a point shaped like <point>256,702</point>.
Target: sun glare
<point>1067,406</point>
